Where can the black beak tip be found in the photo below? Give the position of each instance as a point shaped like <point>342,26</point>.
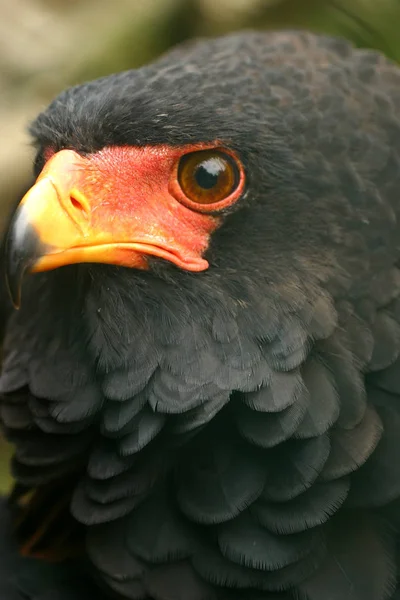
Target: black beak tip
<point>23,248</point>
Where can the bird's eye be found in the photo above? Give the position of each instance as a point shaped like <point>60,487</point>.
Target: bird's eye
<point>208,176</point>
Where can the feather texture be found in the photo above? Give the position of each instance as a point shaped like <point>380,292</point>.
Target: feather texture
<point>230,434</point>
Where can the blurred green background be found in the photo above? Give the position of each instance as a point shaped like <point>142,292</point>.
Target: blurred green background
<point>47,45</point>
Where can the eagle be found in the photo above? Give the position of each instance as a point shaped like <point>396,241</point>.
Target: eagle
<point>201,359</point>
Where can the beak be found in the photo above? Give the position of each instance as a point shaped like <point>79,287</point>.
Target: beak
<point>73,214</point>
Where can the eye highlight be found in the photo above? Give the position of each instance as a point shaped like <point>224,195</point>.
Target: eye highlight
<point>208,177</point>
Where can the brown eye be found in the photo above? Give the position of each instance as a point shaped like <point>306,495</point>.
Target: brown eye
<point>208,176</point>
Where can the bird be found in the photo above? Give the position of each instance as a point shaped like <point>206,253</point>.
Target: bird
<point>201,349</point>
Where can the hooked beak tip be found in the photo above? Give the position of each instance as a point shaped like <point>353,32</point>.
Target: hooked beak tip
<point>23,248</point>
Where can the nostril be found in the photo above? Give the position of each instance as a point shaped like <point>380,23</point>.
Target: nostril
<point>79,201</point>
<point>75,203</point>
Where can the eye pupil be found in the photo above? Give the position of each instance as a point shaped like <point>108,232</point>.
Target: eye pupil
<point>207,177</point>
<point>207,173</point>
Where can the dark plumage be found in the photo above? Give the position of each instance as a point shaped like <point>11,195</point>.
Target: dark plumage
<point>30,579</point>
<point>230,434</point>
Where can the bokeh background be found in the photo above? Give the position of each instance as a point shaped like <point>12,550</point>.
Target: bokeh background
<point>47,45</point>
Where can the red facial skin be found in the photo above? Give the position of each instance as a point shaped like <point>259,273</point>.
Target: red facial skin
<point>119,205</point>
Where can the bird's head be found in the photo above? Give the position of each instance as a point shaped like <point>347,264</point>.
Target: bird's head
<point>188,160</point>
<point>214,160</point>
<point>121,205</point>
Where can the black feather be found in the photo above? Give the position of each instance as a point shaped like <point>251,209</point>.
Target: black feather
<point>351,448</point>
<point>359,565</point>
<point>310,509</point>
<point>246,543</point>
<point>294,467</point>
<point>219,478</point>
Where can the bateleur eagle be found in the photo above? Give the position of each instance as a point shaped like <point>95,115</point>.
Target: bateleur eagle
<point>202,381</point>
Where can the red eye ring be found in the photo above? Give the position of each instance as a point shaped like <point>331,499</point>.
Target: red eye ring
<point>208,179</point>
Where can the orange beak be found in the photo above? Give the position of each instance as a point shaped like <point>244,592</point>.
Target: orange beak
<point>111,207</point>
